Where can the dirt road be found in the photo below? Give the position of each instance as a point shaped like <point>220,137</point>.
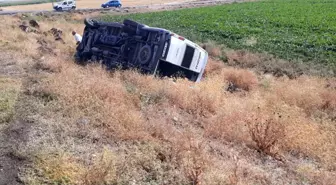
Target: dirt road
<point>81,4</point>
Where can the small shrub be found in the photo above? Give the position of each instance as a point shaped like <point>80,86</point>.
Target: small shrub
<point>213,49</point>
<point>266,132</point>
<point>240,79</point>
<point>194,159</point>
<point>242,58</point>
<point>102,171</point>
<point>233,178</point>
<point>9,90</point>
<point>214,67</point>
<point>329,100</point>
<point>59,169</point>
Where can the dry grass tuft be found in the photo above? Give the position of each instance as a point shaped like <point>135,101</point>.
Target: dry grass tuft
<point>102,171</point>
<point>9,90</point>
<point>214,67</point>
<point>312,96</point>
<point>193,158</point>
<point>240,79</point>
<point>213,49</point>
<point>329,101</point>
<point>199,99</point>
<point>242,58</point>
<point>60,169</point>
<point>91,93</point>
<point>266,132</point>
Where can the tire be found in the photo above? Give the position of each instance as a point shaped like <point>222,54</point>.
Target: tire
<point>145,54</point>
<point>90,23</point>
<point>194,77</point>
<point>73,8</point>
<point>59,9</point>
<point>119,6</point>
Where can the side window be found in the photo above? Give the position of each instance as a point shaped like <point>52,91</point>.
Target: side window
<point>70,2</point>
<point>65,3</point>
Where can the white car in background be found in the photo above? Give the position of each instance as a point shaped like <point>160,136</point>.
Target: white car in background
<point>65,5</point>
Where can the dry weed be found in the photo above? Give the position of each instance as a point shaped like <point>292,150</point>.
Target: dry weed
<point>194,159</point>
<point>61,168</point>
<point>9,91</point>
<point>214,67</point>
<point>234,178</point>
<point>200,99</point>
<point>240,79</point>
<point>102,171</point>
<point>312,96</point>
<point>229,124</point>
<point>91,93</point>
<point>266,132</point>
<point>213,49</point>
<point>242,58</point>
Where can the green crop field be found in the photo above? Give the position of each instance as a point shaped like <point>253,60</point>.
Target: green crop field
<point>289,29</point>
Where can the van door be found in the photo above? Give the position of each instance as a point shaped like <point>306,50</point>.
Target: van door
<point>70,5</point>
<point>64,5</point>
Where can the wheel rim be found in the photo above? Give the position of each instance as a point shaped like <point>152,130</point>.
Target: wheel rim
<point>145,54</point>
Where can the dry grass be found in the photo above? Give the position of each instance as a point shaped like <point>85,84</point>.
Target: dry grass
<point>102,170</point>
<point>241,79</point>
<point>266,132</point>
<point>213,49</point>
<point>264,63</point>
<point>164,131</point>
<point>313,96</point>
<point>9,90</point>
<point>102,99</point>
<point>242,58</point>
<point>61,169</point>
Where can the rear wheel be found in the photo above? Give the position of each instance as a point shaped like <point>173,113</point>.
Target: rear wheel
<point>145,54</point>
<point>59,9</point>
<point>73,8</point>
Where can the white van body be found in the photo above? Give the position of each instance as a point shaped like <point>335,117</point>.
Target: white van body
<point>65,5</point>
<point>186,54</point>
